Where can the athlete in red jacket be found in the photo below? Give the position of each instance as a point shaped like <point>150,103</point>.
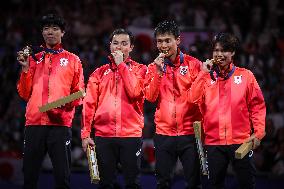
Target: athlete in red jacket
<point>113,106</point>
<point>167,81</point>
<point>233,110</point>
<point>45,77</point>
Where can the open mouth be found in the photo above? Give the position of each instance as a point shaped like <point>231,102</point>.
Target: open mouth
<point>166,52</point>
<point>218,60</point>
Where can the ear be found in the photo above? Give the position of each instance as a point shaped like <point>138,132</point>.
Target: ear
<point>62,34</point>
<point>131,47</point>
<point>178,40</point>
<point>233,53</point>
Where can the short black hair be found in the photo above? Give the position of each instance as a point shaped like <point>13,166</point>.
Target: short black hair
<point>122,31</point>
<point>228,41</point>
<point>52,19</point>
<point>167,27</point>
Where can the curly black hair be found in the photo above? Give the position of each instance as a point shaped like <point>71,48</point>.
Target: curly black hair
<point>228,41</point>
<point>167,27</point>
<point>122,31</point>
<point>52,19</point>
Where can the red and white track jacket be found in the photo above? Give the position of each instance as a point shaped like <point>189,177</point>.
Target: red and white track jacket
<point>231,108</point>
<point>114,101</point>
<point>52,77</point>
<point>174,114</point>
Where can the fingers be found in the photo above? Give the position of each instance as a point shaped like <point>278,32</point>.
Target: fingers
<point>160,59</point>
<point>207,65</point>
<point>256,143</point>
<point>22,59</point>
<point>86,142</point>
<point>118,57</point>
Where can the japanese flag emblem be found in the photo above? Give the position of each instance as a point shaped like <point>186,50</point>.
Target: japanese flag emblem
<point>183,70</point>
<point>238,79</point>
<point>63,61</point>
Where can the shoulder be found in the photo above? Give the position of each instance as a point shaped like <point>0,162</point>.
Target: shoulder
<point>136,64</point>
<point>192,60</point>
<point>244,71</point>
<point>71,55</point>
<point>101,70</point>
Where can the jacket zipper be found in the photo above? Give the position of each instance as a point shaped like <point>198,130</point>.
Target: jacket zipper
<point>49,72</point>
<point>175,108</point>
<point>115,103</point>
<point>226,134</point>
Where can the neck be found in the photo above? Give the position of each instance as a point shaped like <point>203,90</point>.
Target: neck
<point>225,69</point>
<point>173,57</point>
<point>49,46</point>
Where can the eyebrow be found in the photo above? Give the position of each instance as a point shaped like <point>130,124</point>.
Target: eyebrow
<point>121,41</point>
<point>164,39</point>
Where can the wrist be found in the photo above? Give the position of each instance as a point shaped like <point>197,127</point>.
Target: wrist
<point>25,69</point>
<point>159,70</point>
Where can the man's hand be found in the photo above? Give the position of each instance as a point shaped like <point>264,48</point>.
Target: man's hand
<point>118,57</point>
<point>23,60</point>
<point>255,141</point>
<point>159,61</point>
<point>207,65</point>
<point>86,142</point>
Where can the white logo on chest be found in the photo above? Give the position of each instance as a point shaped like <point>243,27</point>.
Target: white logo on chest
<point>39,61</point>
<point>63,61</point>
<point>107,71</point>
<point>183,70</point>
<point>238,79</point>
<point>212,82</point>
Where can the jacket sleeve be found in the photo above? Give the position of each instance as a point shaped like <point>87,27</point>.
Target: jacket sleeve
<point>256,107</point>
<point>133,82</point>
<point>196,91</point>
<point>90,105</point>
<point>78,81</point>
<point>25,83</point>
<point>152,83</point>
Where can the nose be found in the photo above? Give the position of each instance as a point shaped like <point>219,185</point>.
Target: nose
<point>118,46</point>
<point>49,30</point>
<point>218,54</point>
<point>164,44</point>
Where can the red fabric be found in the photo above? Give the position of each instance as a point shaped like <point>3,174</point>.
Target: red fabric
<point>114,101</point>
<point>48,79</point>
<point>174,115</point>
<point>231,108</point>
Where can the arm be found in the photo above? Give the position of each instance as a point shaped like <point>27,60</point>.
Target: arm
<point>257,111</point>
<point>152,83</point>
<point>196,91</point>
<point>25,82</point>
<point>78,81</point>
<point>133,82</point>
<point>89,105</point>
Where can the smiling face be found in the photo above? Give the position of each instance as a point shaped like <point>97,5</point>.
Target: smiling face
<point>121,42</point>
<point>168,44</point>
<point>224,57</point>
<point>52,35</point>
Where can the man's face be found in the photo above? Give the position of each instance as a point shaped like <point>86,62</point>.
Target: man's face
<point>224,58</point>
<point>52,35</point>
<point>167,43</point>
<point>121,42</point>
